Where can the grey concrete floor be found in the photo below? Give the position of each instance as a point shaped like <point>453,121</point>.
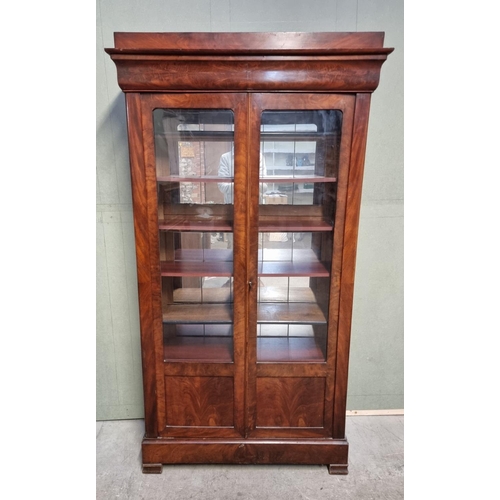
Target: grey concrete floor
<point>375,469</point>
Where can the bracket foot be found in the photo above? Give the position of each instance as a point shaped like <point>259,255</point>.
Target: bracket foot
<point>152,468</point>
<point>338,469</point>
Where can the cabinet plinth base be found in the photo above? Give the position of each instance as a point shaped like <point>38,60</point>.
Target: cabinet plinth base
<point>152,468</point>
<point>338,469</point>
<point>331,452</point>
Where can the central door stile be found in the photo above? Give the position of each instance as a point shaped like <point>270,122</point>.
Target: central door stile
<point>202,390</point>
<point>252,260</point>
<point>240,229</point>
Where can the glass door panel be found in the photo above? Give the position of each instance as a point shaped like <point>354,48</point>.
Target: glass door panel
<point>299,158</point>
<point>194,152</point>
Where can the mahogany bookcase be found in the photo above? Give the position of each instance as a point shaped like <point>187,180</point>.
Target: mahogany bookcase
<point>246,155</point>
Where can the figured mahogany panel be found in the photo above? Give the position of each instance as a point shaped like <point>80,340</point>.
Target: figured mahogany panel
<point>290,402</point>
<point>162,73</point>
<point>151,359</point>
<point>158,62</point>
<point>199,401</point>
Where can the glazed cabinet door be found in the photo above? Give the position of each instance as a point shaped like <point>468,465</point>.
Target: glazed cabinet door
<point>299,159</point>
<point>194,162</point>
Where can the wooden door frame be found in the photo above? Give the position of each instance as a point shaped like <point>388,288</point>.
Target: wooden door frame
<point>335,365</point>
<point>144,192</point>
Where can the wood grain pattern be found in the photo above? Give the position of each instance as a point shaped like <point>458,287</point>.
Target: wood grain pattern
<point>249,42</point>
<point>249,451</point>
<point>193,224</point>
<point>200,369</point>
<point>144,277</point>
<point>199,401</point>
<point>336,73</point>
<point>248,61</point>
<point>290,370</point>
<point>198,313</point>
<point>350,240</point>
<point>199,349</point>
<point>292,402</point>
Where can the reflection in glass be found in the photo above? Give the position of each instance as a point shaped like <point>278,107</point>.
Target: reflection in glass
<point>296,220</point>
<point>194,152</point>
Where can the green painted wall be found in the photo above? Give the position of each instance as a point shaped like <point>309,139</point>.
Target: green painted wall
<point>376,367</point>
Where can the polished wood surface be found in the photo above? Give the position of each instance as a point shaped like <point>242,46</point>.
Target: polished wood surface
<point>149,342</point>
<point>199,401</point>
<point>198,313</point>
<point>290,402</point>
<point>290,349</point>
<point>245,451</point>
<point>201,349</point>
<point>284,42</point>
<point>216,390</point>
<point>289,313</point>
<point>350,237</point>
<point>158,62</point>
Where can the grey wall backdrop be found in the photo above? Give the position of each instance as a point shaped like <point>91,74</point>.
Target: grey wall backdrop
<point>376,366</point>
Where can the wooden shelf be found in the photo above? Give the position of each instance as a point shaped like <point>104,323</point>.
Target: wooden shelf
<point>314,269</point>
<point>197,217</point>
<point>293,225</point>
<point>291,313</point>
<point>211,268</point>
<point>291,349</point>
<point>295,313</point>
<point>200,224</point>
<point>198,313</point>
<point>198,349</point>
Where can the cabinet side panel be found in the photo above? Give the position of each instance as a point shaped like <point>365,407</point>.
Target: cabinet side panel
<point>142,245</point>
<point>360,129</point>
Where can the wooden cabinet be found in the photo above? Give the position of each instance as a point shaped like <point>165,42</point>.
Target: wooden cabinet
<point>246,154</point>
